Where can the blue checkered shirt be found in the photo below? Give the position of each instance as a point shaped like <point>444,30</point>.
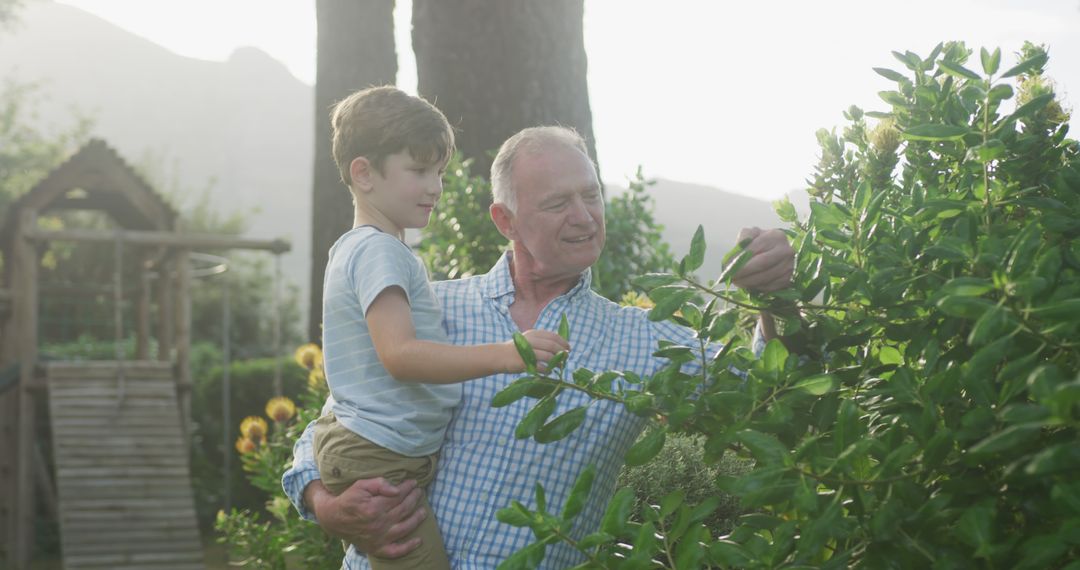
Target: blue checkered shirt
<point>482,466</point>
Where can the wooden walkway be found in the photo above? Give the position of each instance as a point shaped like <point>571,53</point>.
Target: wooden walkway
<point>122,475</point>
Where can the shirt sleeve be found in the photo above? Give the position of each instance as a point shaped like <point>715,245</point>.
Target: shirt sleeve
<point>382,262</point>
<point>302,472</point>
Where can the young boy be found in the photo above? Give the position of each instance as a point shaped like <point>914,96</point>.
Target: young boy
<point>390,368</point>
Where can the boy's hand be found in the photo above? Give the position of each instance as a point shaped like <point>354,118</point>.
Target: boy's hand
<point>545,345</point>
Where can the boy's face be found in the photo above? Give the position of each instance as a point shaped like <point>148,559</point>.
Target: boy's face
<point>406,191</point>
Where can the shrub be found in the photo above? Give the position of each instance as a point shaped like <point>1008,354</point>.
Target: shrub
<point>681,465</point>
<point>281,540</point>
<point>923,410</point>
<point>252,385</point>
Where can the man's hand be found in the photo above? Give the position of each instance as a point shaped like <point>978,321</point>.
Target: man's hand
<point>772,265</point>
<point>372,514</point>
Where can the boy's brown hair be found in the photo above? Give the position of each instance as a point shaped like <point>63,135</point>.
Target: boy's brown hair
<point>379,121</point>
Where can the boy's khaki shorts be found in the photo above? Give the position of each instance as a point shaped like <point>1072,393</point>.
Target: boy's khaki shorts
<point>344,457</point>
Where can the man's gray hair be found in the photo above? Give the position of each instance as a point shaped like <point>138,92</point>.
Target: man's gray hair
<point>527,141</point>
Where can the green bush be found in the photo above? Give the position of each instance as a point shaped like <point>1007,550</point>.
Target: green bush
<point>252,386</point>
<point>923,410</point>
<point>681,465</point>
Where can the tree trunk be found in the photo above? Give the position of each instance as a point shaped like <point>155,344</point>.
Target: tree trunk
<point>495,67</point>
<point>355,50</point>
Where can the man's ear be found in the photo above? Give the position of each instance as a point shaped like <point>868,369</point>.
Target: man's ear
<point>504,220</point>
<point>361,171</point>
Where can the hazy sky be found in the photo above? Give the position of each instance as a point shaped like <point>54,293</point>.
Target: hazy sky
<point>718,93</point>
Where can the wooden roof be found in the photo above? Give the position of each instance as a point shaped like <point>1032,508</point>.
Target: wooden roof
<point>96,178</point>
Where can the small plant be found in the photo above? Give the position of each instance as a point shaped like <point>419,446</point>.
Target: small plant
<point>284,540</point>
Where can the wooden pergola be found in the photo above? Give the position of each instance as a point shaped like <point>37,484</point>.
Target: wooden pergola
<point>96,178</point>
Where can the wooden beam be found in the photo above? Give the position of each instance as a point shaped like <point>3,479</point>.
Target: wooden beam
<point>166,313</point>
<point>26,263</point>
<point>183,335</point>
<point>170,239</point>
<point>142,315</point>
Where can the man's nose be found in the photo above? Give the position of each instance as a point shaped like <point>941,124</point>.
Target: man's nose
<point>579,212</point>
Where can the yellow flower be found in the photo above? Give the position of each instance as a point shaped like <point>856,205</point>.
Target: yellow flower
<point>245,445</point>
<point>635,299</point>
<point>253,428</point>
<point>280,409</point>
<point>309,356</point>
<point>316,379</point>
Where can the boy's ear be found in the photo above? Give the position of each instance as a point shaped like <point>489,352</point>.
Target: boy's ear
<point>504,220</point>
<point>361,170</point>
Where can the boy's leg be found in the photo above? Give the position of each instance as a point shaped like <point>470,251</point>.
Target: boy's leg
<point>344,457</point>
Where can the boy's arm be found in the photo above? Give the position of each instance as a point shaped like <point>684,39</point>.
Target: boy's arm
<point>372,514</point>
<point>409,359</point>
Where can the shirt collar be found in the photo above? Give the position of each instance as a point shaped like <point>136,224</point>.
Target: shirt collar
<point>498,282</point>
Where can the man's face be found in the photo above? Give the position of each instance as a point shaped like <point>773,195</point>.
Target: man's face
<point>560,210</point>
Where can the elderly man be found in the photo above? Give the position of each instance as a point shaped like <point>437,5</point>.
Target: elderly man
<point>548,203</point>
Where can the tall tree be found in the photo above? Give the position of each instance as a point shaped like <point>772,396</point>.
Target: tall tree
<point>497,66</point>
<point>355,50</point>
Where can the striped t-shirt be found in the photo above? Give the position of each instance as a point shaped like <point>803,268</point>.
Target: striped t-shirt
<point>405,417</point>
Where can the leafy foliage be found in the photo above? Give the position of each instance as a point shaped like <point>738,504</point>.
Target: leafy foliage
<point>923,406</point>
<point>284,540</point>
<point>634,244</point>
<point>461,241</point>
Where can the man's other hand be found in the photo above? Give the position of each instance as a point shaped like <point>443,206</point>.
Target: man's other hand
<point>772,264</point>
<point>371,514</point>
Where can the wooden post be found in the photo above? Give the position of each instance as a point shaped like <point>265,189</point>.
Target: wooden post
<point>142,312</point>
<point>183,336</point>
<point>8,422</point>
<point>26,312</point>
<point>166,311</point>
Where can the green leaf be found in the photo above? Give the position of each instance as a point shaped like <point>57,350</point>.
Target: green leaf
<point>1027,65</point>
<point>974,526</point>
<point>967,287</point>
<point>564,328</point>
<point>696,256</point>
<point>1029,108</point>
<point>671,501</point>
<point>654,280</point>
<point>541,499</point>
<point>513,392</point>
<point>1062,311</point>
<point>730,554</point>
<point>764,447</point>
<point>1061,458</point>
<point>889,74</point>
<point>964,307</point>
<point>775,355</point>
<point>535,418</point>
<point>515,515</point>
<point>990,61</point>
<point>957,70</point>
<point>733,268</point>
<point>1009,439</point>
<point>525,350</point>
<point>646,448</point>
<point>817,385</point>
<point>618,511</point>
<point>561,426</point>
<point>579,494</point>
<point>665,307</point>
<point>936,132</point>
